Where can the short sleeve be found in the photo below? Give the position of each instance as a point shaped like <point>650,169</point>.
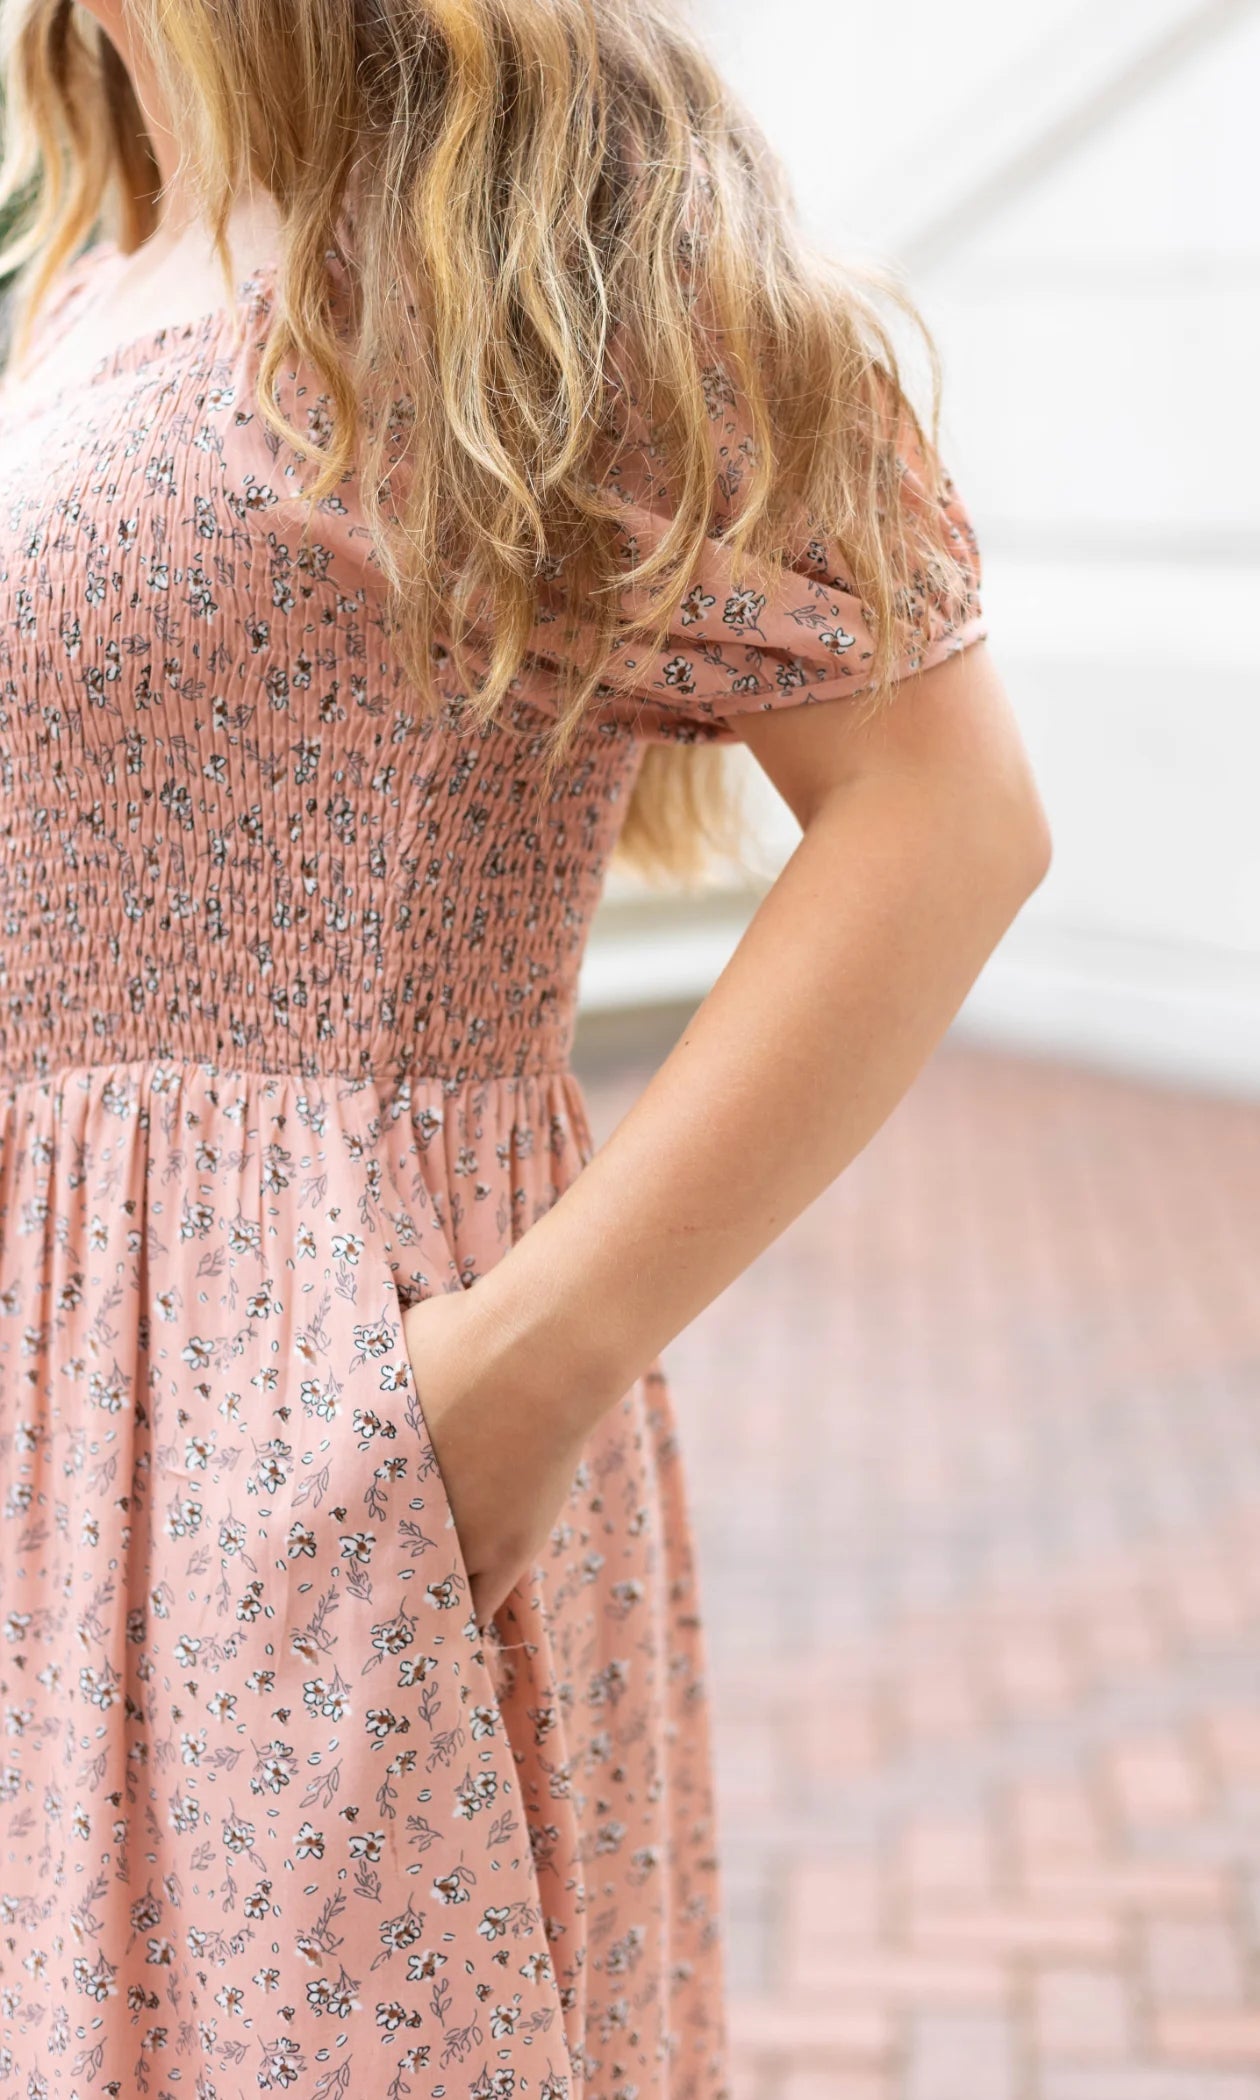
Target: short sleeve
<point>732,650</point>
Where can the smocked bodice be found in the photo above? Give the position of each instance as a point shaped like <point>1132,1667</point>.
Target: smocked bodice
<point>227,831</point>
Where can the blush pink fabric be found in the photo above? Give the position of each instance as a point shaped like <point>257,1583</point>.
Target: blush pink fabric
<point>287,989</point>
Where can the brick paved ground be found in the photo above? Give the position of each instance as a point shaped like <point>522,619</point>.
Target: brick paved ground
<point>975,1453</point>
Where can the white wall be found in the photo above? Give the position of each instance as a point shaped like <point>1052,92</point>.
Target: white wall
<point>1101,331</point>
<point>1073,193</point>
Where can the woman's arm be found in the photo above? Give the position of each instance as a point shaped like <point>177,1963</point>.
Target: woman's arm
<point>923,834</point>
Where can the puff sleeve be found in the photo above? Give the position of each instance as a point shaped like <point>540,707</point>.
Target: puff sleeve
<point>732,650</point>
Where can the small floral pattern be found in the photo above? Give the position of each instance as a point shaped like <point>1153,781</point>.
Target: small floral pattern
<point>287,986</point>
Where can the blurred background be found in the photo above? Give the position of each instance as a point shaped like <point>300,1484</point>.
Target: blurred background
<point>975,1448</point>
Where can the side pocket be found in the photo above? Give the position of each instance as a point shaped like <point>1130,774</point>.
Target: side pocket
<point>450,1588</point>
<point>447,1583</point>
<point>410,1777</point>
<point>488,1796</point>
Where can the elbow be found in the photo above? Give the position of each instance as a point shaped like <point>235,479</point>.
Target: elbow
<point>1009,847</point>
<point>1033,847</point>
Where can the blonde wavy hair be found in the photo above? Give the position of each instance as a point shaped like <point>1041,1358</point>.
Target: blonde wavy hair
<point>564,192</point>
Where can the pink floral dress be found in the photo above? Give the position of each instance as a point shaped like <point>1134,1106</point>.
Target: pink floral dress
<point>287,988</point>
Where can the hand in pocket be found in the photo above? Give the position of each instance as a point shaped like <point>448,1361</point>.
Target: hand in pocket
<point>506,1468</point>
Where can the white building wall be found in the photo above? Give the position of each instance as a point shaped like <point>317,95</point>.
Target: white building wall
<point>1072,193</point>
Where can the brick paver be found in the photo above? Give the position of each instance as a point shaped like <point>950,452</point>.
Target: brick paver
<point>960,2056</point>
<point>1195,1962</point>
<point>1083,2014</point>
<point>975,1464</point>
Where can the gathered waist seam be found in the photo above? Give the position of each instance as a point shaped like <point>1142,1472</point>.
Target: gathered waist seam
<point>216,1068</point>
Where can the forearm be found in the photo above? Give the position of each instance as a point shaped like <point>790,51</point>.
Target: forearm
<point>848,975</point>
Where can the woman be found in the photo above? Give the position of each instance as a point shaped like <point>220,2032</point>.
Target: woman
<point>356,1726</point>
